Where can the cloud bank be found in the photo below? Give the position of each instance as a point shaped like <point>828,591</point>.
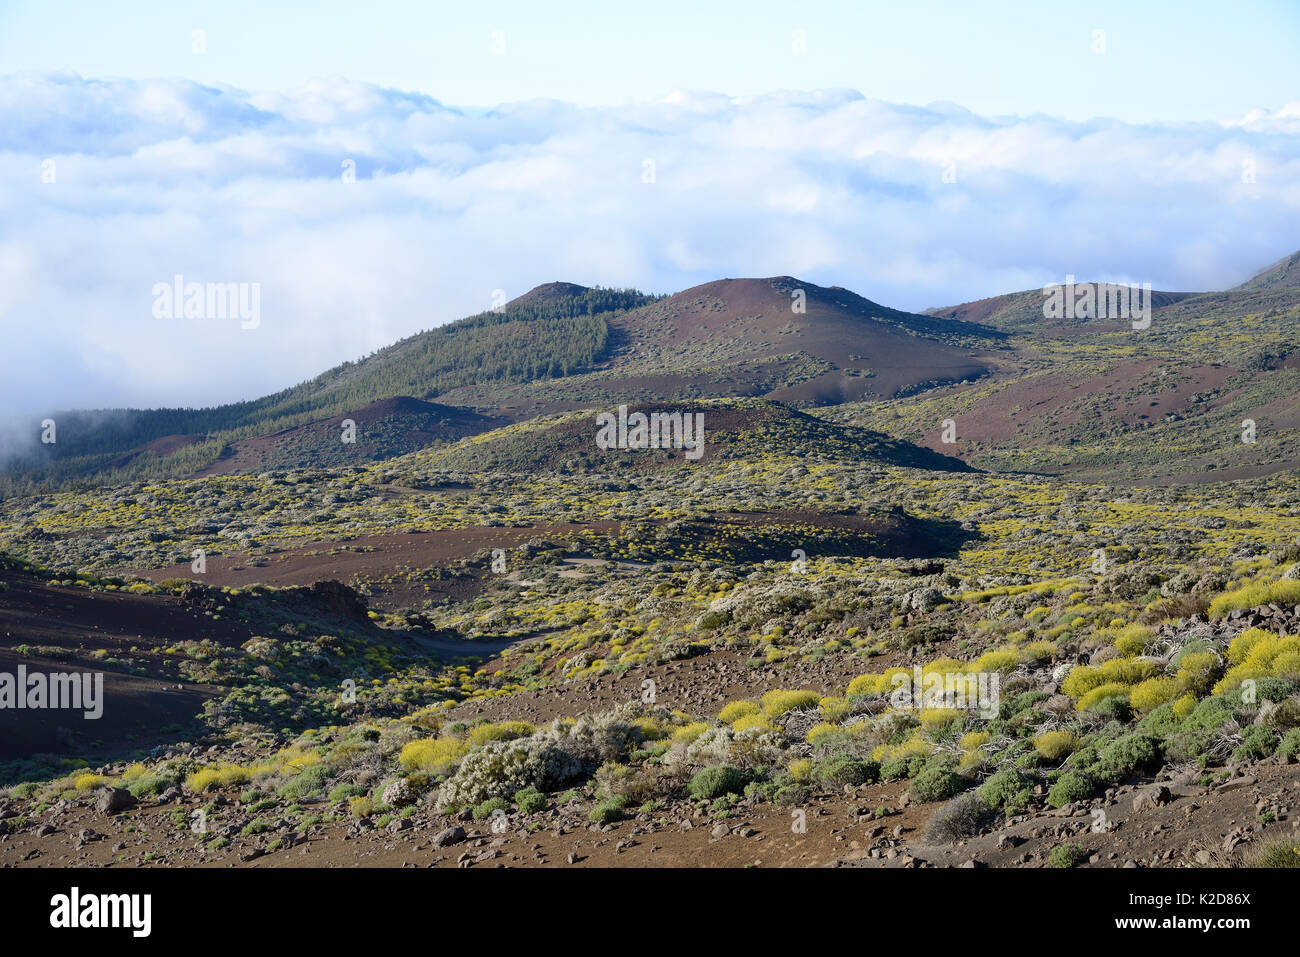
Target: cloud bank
<point>365,214</point>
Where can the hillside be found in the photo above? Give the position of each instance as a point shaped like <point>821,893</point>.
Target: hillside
<point>1206,393</point>
<point>558,347</point>
<point>744,337</point>
<point>734,431</point>
<point>1023,311</point>
<point>530,338</point>
<point>1089,397</point>
<point>1283,274</point>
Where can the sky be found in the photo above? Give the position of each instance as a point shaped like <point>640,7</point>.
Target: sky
<point>381,168</point>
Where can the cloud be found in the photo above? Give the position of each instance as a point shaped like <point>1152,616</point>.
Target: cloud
<point>909,206</point>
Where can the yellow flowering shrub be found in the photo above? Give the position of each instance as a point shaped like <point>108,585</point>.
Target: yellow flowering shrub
<point>737,709</point>
<point>834,709</point>
<point>819,731</point>
<point>1110,690</point>
<point>687,733</point>
<point>502,731</point>
<point>217,776</point>
<point>751,721</point>
<point>431,755</point>
<point>1152,693</point>
<point>778,701</point>
<point>1055,745</point>
<point>1196,671</point>
<point>1261,655</point>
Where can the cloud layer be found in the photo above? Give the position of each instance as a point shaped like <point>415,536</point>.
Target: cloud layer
<point>912,207</point>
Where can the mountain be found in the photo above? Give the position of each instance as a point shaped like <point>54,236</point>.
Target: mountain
<point>558,347</point>
<point>776,338</point>
<point>1283,274</point>
<point>1090,397</point>
<point>1023,311</point>
<point>381,430</point>
<point>1206,392</point>
<point>555,333</point>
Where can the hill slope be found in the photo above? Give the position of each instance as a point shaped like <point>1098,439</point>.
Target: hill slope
<point>734,430</point>
<point>777,338</point>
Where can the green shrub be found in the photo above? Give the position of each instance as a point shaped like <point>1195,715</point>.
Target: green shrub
<point>1257,742</point>
<point>151,784</point>
<point>836,773</point>
<point>709,783</point>
<point>607,812</point>
<point>1290,745</point>
<point>485,809</point>
<point>897,768</point>
<point>936,783</point>
<point>1209,714</point>
<point>344,791</point>
<point>530,800</point>
<point>1070,787</point>
<point>1007,789</point>
<point>309,782</point>
<point>1066,855</point>
<point>1280,852</point>
<point>1127,756</point>
<point>1190,745</point>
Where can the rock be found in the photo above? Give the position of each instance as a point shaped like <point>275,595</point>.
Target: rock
<point>449,836</point>
<point>111,800</point>
<point>721,829</point>
<point>1152,797</point>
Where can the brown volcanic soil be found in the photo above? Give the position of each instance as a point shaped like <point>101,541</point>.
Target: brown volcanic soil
<point>81,621</point>
<point>378,562</point>
<point>547,292</point>
<point>751,318</point>
<point>1202,825</point>
<point>1025,309</point>
<point>1067,399</point>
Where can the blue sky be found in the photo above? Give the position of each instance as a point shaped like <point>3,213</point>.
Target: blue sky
<point>1163,61</point>
<point>919,154</point>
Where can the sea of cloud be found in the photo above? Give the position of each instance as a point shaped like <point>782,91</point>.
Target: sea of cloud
<point>909,206</point>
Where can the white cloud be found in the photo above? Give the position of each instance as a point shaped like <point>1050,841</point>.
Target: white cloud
<point>163,177</point>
